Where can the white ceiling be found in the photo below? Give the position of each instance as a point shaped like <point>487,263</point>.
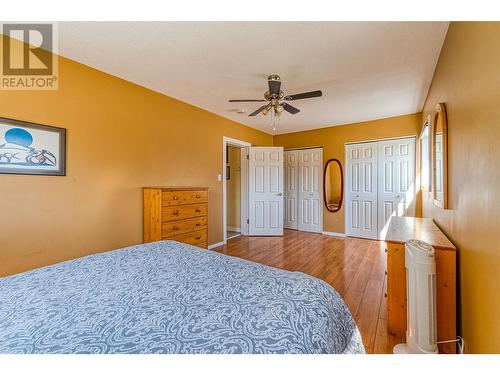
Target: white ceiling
<point>366,70</point>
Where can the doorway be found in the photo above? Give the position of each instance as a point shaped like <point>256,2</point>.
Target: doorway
<point>234,188</point>
<point>233,192</point>
<point>260,179</point>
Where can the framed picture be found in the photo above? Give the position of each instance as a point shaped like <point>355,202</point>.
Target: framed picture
<point>28,148</point>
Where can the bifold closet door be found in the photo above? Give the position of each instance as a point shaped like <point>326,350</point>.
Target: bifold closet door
<point>291,188</point>
<point>361,189</point>
<point>310,194</point>
<point>396,180</point>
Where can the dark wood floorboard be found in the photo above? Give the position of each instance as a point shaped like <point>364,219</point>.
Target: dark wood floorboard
<point>355,267</point>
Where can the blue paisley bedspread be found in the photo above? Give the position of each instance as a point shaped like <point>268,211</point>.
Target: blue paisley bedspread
<point>167,297</point>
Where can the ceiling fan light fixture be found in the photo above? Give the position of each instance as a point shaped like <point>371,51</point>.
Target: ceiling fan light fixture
<point>266,110</point>
<point>277,100</point>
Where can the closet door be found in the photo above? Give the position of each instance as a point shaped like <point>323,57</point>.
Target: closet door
<point>396,181</point>
<point>265,181</point>
<point>291,188</point>
<point>361,190</point>
<point>310,213</point>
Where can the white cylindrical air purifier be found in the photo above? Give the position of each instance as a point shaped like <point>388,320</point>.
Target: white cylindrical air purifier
<point>421,333</point>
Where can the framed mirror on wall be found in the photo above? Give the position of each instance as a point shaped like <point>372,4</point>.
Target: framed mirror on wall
<point>440,157</point>
<point>425,155</point>
<point>333,189</point>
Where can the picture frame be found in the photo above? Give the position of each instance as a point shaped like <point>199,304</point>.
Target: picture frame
<point>29,148</point>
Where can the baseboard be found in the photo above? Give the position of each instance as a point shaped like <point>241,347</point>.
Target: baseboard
<point>334,234</point>
<point>234,229</point>
<point>214,245</point>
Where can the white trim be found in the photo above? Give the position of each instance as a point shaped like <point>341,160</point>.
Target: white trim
<point>227,141</point>
<point>380,139</point>
<point>213,246</point>
<point>334,234</point>
<point>235,142</point>
<point>233,229</point>
<point>302,148</point>
<point>244,190</point>
<point>234,236</point>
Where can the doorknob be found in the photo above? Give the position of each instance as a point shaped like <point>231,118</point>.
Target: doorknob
<point>280,194</point>
<point>398,196</point>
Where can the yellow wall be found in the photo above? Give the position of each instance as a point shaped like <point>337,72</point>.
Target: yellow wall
<point>234,188</point>
<point>467,80</point>
<point>333,139</point>
<point>120,137</point>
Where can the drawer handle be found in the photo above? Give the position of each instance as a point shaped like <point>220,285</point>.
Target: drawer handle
<point>385,295</point>
<point>175,197</point>
<point>385,272</point>
<point>198,196</point>
<point>175,228</point>
<point>197,224</point>
<point>197,238</point>
<point>198,211</point>
<point>175,213</point>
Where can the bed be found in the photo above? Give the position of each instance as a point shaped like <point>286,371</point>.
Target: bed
<point>167,297</point>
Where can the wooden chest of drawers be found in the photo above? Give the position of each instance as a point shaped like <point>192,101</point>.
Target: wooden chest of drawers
<point>176,213</point>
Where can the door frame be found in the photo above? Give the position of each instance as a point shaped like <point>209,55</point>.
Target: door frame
<point>346,182</point>
<point>228,141</point>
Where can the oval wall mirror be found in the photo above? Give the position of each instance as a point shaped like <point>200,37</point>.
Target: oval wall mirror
<point>333,189</point>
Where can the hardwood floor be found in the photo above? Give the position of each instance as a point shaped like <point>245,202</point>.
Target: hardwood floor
<point>354,267</point>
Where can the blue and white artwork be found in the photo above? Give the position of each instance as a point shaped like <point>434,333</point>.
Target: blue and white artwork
<point>27,148</point>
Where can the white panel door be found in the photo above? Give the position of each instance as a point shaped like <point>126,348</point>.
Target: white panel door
<point>405,181</point>
<point>396,187</point>
<point>361,190</point>
<point>310,212</point>
<point>265,181</point>
<point>291,188</point>
<point>387,169</point>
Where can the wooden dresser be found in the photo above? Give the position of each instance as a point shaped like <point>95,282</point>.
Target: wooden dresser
<point>401,230</point>
<point>176,213</point>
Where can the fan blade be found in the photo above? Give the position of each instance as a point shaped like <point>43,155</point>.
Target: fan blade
<point>256,112</point>
<point>290,108</point>
<point>305,95</point>
<point>274,84</point>
<point>246,100</point>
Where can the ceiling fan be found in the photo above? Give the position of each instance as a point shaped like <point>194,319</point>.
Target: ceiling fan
<point>276,98</point>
